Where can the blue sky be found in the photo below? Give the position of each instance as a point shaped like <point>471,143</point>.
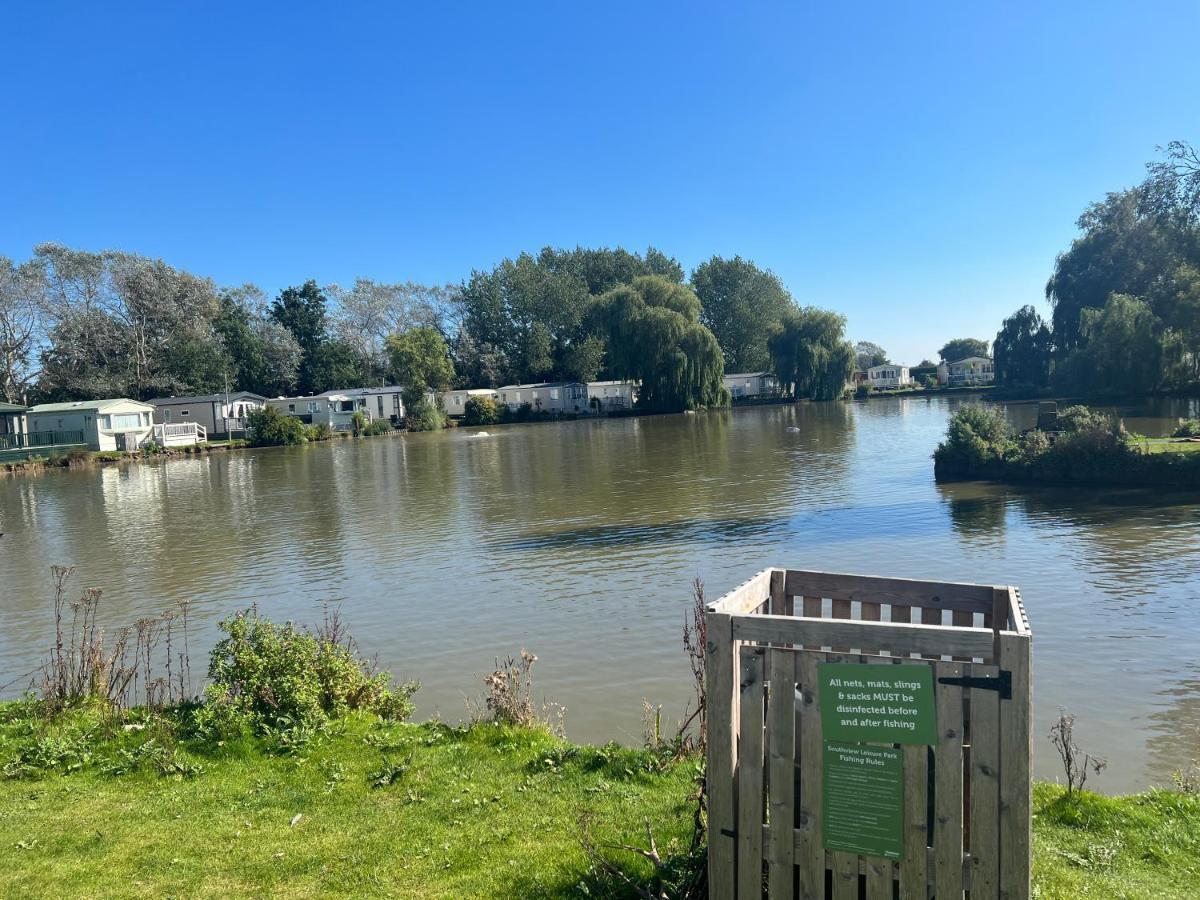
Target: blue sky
<point>914,166</point>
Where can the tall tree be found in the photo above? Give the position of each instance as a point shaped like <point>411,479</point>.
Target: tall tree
<point>961,348</point>
<point>653,333</point>
<point>265,355</point>
<point>420,363</point>
<point>739,304</point>
<point>1023,349</point>
<point>810,355</point>
<point>325,363</point>
<point>22,289</point>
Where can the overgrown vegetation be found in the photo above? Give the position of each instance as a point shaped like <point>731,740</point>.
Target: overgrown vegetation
<point>1086,447</point>
<point>269,427</point>
<point>480,411</point>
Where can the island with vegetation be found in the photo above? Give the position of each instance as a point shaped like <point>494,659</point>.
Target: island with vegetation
<point>1083,446</point>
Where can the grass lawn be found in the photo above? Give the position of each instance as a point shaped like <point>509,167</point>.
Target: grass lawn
<point>1167,445</point>
<point>480,812</point>
<point>407,810</point>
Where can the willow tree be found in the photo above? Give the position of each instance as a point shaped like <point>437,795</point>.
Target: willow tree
<point>810,354</point>
<point>652,331</point>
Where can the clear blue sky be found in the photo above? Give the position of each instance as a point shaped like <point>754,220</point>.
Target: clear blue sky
<point>915,166</point>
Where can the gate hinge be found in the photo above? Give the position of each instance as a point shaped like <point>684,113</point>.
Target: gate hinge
<point>1001,683</point>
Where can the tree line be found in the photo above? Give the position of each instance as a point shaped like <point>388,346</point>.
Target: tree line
<point>1125,295</point>
<point>76,324</point>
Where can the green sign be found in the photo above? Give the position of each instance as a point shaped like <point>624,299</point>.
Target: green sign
<point>863,808</point>
<point>877,704</point>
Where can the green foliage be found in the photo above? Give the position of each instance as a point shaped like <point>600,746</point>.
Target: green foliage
<point>424,415</point>
<point>867,354</point>
<point>358,422</point>
<point>377,427</point>
<point>978,437</point>
<point>481,411</point>
<point>810,355</point>
<point>268,427</point>
<point>654,336</point>
<point>420,362</point>
<point>1023,350</point>
<point>961,348</point>
<point>267,678</point>
<point>739,304</point>
<point>863,391</point>
<point>319,432</point>
<point>1187,428</point>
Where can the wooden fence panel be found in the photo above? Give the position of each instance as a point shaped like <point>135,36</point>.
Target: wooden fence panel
<point>811,857</point>
<point>1016,839</point>
<point>781,757</point>
<point>948,786</point>
<point>750,775</point>
<point>722,753</point>
<point>985,788</point>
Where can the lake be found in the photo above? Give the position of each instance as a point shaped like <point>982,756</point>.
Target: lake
<point>580,540</point>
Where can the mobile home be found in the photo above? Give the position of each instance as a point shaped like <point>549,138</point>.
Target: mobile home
<point>115,424</point>
<point>222,415</point>
<point>454,403</point>
<point>386,403</point>
<point>552,396</point>
<point>611,396</point>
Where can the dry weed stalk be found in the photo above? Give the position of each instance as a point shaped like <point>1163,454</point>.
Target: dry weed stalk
<point>1076,761</point>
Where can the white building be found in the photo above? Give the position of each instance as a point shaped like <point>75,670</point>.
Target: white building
<point>552,397</point>
<point>115,424</point>
<point>454,403</point>
<point>221,414</point>
<point>385,403</point>
<point>335,410</point>
<point>747,385</point>
<point>888,375</point>
<point>611,396</point>
<point>970,371</point>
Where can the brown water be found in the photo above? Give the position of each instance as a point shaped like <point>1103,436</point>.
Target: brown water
<point>580,540</point>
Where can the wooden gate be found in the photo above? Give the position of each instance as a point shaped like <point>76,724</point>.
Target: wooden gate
<point>966,798</point>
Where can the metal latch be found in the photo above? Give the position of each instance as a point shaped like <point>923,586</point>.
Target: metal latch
<point>1002,683</point>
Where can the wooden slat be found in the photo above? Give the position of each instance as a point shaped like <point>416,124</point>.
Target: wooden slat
<point>750,775</point>
<point>845,876</point>
<point>811,852</point>
<point>943,595</point>
<point>985,789</point>
<point>840,609</point>
<point>1015,822</point>
<point>865,636</point>
<point>781,603</point>
<point>781,755</point>
<point>948,786</point>
<point>962,619</point>
<point>914,869</point>
<point>746,596</point>
<point>879,878</point>
<point>722,747</point>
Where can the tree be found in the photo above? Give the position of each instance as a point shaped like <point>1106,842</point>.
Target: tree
<point>810,355</point>
<point>420,363</point>
<point>265,356</point>
<point>867,355</point>
<point>268,427</point>
<point>1023,349</point>
<point>962,348</point>
<point>480,411</point>
<point>1123,352</point>
<point>653,333</point>
<point>739,303</point>
<point>22,289</point>
<point>301,310</point>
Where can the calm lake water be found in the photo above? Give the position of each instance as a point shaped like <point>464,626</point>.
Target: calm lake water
<point>580,540</point>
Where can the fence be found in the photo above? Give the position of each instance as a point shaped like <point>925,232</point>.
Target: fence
<point>38,439</point>
<point>934,815</point>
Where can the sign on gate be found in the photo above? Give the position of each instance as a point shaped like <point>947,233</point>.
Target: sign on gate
<point>864,799</point>
<point>877,704</point>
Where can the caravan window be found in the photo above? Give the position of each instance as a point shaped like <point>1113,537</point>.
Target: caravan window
<point>126,420</point>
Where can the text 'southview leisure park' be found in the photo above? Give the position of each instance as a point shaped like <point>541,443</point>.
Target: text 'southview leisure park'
<point>669,452</point>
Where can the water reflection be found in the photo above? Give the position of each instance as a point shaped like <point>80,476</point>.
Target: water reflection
<point>580,540</point>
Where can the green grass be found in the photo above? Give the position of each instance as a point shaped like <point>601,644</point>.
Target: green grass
<point>1166,445</point>
<point>1143,846</point>
<point>92,807</point>
<point>469,812</point>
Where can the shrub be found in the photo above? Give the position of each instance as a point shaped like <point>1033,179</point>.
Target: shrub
<point>424,416</point>
<point>1187,428</point>
<point>481,411</point>
<point>378,426</point>
<point>268,427</point>
<point>321,432</point>
<point>978,437</point>
<point>269,678</point>
<point>863,391</point>
<point>358,422</point>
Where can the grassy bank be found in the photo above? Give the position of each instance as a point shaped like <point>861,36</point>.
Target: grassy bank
<point>395,810</point>
<point>92,806</point>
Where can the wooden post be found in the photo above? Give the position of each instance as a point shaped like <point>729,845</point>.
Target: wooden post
<point>722,751</point>
<point>750,776</point>
<point>1016,839</point>
<point>781,757</point>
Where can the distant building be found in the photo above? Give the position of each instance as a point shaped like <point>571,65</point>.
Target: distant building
<point>970,371</point>
<point>12,419</point>
<point>550,396</point>
<point>454,403</point>
<point>385,403</point>
<point>887,376</point>
<point>611,396</point>
<point>115,424</point>
<point>748,385</point>
<point>335,410</point>
<point>222,415</point>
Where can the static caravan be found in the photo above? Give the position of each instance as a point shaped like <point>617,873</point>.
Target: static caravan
<point>385,403</point>
<point>888,375</point>
<point>970,371</point>
<point>221,415</point>
<point>611,396</point>
<point>551,397</point>
<point>335,410</point>
<point>116,424</point>
<point>454,403</point>
<point>751,385</point>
